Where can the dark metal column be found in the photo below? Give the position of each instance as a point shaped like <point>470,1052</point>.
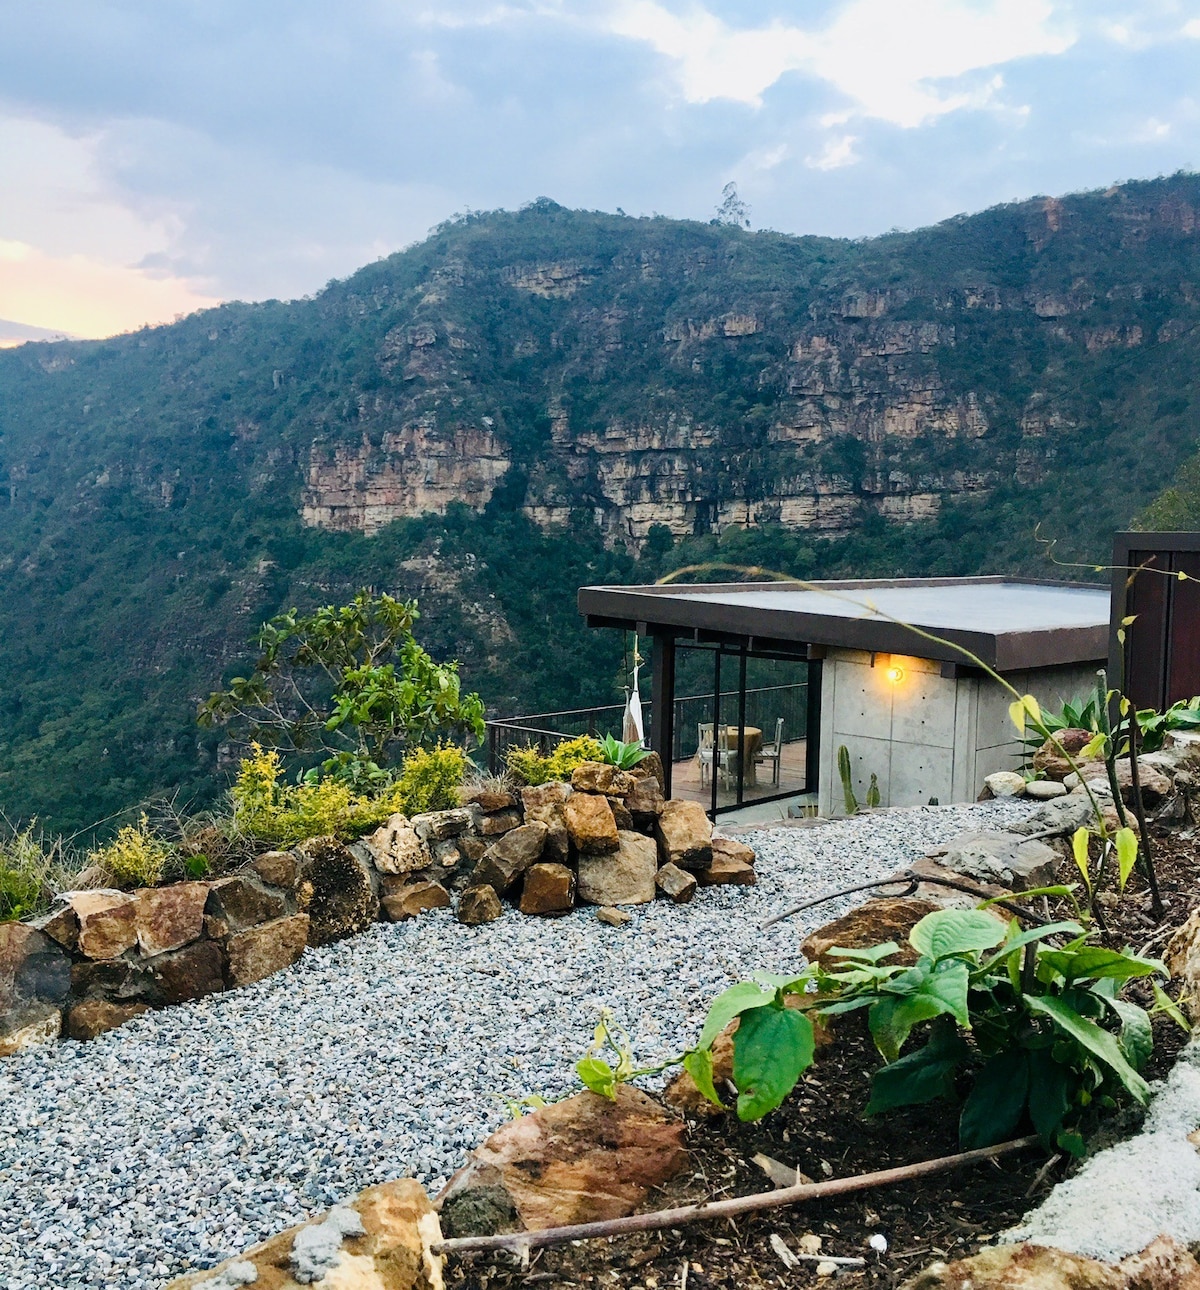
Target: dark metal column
<point>812,735</point>
<point>662,702</point>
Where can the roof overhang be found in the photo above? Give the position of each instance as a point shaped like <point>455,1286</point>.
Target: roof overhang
<point>1009,624</point>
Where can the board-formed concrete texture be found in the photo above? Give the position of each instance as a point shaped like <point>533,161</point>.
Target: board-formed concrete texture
<point>924,735</point>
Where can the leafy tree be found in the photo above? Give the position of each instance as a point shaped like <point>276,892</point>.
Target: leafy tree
<point>349,681</point>
<point>732,209</point>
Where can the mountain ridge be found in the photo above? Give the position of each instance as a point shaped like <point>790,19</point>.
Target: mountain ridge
<point>531,400</point>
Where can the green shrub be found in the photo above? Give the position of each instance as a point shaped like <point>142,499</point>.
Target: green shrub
<point>283,814</point>
<point>430,778</point>
<point>25,870</point>
<point>136,857</point>
<point>528,766</point>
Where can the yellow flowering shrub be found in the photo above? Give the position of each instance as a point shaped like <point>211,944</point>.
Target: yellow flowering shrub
<point>135,857</point>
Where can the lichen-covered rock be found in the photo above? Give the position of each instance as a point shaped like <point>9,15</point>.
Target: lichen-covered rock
<point>684,835</point>
<point>580,1160</point>
<point>591,824</point>
<point>189,973</point>
<point>433,826</point>
<point>548,889</point>
<point>478,905</point>
<point>268,948</point>
<point>508,858</point>
<point>545,803</point>
<point>35,977</point>
<point>344,900</point>
<point>277,869</point>
<point>170,917</point>
<point>623,877</point>
<point>242,901</point>
<point>92,1017</point>
<point>414,898</point>
<point>394,847</point>
<point>382,1239</point>
<point>107,922</point>
<point>675,883</point>
<point>498,822</point>
<point>600,777</point>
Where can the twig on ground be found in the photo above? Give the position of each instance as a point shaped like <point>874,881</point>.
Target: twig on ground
<point>659,1219</point>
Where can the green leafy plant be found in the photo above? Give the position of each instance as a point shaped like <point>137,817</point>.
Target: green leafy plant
<point>873,792</point>
<point>28,869</point>
<point>429,779</point>
<point>529,766</point>
<point>136,857</point>
<point>599,1072</point>
<point>351,682</point>
<point>622,755</point>
<point>1037,1030</point>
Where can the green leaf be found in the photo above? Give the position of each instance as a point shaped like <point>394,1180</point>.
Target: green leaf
<point>1028,938</point>
<point>772,1048</point>
<point>699,1065</point>
<point>729,1004</point>
<point>1079,849</point>
<point>1089,1036</point>
<point>1137,1034</point>
<point>1093,748</point>
<point>1165,1004</point>
<point>993,1108</point>
<point>955,931</point>
<point>1092,961</point>
<point>891,1020</point>
<point>922,1076</point>
<point>595,1073</point>
<point>1063,890</point>
<point>1049,1094</point>
<point>871,954</point>
<point>1127,849</point>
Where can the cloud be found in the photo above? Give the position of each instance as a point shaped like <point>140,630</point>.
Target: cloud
<point>170,154</point>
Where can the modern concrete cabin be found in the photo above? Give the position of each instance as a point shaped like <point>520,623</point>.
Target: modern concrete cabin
<point>914,711</point>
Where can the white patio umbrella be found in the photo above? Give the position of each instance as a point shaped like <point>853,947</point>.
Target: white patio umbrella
<point>632,730</point>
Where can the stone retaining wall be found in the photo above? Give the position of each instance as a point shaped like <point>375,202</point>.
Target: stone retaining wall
<point>609,838</point>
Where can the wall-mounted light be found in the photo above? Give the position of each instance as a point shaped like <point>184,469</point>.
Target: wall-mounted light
<point>895,674</point>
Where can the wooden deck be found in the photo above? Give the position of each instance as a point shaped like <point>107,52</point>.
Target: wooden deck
<point>685,779</point>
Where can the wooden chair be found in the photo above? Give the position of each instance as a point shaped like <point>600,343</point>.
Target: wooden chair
<point>707,755</point>
<point>772,752</point>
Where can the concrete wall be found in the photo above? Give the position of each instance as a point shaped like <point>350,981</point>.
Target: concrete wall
<point>924,735</point>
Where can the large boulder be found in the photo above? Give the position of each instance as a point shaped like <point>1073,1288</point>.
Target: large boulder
<point>107,922</point>
<point>1154,784</point>
<point>684,835</point>
<point>189,973</point>
<point>887,918</point>
<point>343,899</point>
<point>414,898</point>
<point>1000,856</point>
<point>478,905</point>
<point>382,1239</point>
<point>600,777</point>
<point>268,948</point>
<point>35,977</point>
<point>395,848</point>
<point>545,803</point>
<point>239,902</point>
<point>548,889</point>
<point>623,877</point>
<point>580,1160</point>
<point>508,858</point>
<point>170,917</point>
<point>591,824</point>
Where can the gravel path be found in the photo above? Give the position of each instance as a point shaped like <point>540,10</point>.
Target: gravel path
<point>193,1132</point>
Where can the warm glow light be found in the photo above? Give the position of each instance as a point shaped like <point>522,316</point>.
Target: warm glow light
<point>895,674</point>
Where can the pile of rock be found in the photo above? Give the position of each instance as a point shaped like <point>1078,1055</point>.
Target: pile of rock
<point>608,838</point>
<point>1167,779</point>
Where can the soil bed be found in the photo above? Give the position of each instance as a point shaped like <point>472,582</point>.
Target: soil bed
<point>821,1132</point>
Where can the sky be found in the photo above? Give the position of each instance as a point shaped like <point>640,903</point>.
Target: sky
<point>158,156</point>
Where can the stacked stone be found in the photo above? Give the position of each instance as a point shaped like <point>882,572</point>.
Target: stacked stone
<point>608,838</point>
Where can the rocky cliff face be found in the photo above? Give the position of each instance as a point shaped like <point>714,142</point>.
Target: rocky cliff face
<point>679,391</point>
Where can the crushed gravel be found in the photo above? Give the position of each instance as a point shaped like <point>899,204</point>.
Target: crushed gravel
<point>191,1133</point>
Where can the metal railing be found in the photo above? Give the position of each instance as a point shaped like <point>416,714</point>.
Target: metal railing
<point>545,730</point>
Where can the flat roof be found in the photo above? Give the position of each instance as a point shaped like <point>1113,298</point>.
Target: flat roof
<point>1010,623</point>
